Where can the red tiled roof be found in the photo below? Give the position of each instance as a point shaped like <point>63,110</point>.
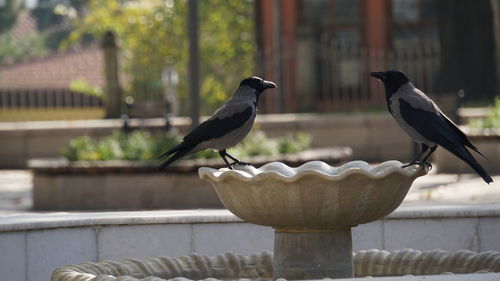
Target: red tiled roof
<point>56,71</point>
<point>25,25</point>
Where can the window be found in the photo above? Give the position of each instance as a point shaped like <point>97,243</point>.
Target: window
<point>414,23</point>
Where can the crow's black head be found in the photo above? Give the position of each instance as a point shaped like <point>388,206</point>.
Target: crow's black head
<point>393,80</point>
<point>257,83</point>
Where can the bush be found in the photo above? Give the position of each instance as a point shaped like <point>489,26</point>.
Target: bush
<point>14,50</point>
<point>141,145</point>
<point>492,120</point>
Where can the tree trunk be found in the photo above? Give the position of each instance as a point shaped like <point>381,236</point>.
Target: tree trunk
<point>113,101</point>
<point>194,62</point>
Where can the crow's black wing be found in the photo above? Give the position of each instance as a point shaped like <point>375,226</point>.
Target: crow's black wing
<point>437,129</point>
<point>428,124</point>
<point>461,134</point>
<point>216,127</point>
<point>210,129</point>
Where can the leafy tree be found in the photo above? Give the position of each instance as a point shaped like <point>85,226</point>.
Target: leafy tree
<point>52,18</point>
<point>8,13</point>
<point>153,35</point>
<point>12,49</point>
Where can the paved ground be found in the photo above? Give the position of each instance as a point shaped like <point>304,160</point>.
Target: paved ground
<point>453,189</point>
<point>15,191</point>
<point>16,185</point>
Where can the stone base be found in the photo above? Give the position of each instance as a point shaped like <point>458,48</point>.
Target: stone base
<point>312,254</point>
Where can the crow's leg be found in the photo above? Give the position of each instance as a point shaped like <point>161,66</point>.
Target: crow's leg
<point>236,161</point>
<point>422,162</point>
<point>223,154</point>
<point>423,150</point>
<point>430,152</point>
<point>418,162</point>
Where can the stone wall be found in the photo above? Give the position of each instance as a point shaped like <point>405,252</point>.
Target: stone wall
<point>488,145</point>
<point>123,192</point>
<point>373,137</point>
<point>33,245</point>
<point>128,185</point>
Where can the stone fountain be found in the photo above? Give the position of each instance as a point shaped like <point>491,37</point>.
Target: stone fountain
<point>312,208</point>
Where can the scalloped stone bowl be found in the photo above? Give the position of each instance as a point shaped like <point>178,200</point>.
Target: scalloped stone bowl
<point>313,195</point>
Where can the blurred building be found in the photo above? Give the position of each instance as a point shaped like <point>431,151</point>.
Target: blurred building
<point>322,50</point>
<point>40,88</point>
<point>55,71</point>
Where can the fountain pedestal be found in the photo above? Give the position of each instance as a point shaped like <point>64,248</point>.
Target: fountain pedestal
<point>312,208</point>
<point>312,254</point>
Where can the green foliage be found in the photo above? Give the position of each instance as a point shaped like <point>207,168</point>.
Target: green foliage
<point>138,145</point>
<point>492,120</point>
<point>257,143</point>
<point>80,148</point>
<point>153,36</point>
<point>8,13</point>
<point>12,50</point>
<point>141,145</point>
<point>294,143</point>
<point>81,85</point>
<point>51,16</point>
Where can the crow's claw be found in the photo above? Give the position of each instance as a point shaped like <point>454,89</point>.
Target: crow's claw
<point>240,163</point>
<point>420,163</point>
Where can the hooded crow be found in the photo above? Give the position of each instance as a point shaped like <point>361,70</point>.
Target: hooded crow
<point>426,124</point>
<point>227,127</point>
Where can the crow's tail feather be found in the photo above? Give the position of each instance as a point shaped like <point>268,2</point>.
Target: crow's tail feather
<point>179,152</point>
<point>468,144</point>
<point>171,151</point>
<point>481,171</point>
<point>462,153</point>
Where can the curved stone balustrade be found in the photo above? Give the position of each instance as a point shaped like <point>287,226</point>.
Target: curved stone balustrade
<point>408,261</point>
<point>194,266</point>
<point>259,266</point>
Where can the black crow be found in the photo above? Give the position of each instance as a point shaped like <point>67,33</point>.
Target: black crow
<point>426,124</point>
<point>227,127</point>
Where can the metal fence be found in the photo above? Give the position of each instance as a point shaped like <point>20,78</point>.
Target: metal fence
<point>341,82</point>
<point>345,80</point>
<point>46,98</point>
<point>48,104</point>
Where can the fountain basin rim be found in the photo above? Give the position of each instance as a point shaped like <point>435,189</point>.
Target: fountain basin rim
<point>282,172</point>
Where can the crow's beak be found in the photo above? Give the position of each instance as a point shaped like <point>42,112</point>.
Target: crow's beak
<point>269,84</point>
<point>379,75</point>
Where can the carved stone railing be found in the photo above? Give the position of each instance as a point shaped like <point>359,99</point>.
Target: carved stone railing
<point>259,266</point>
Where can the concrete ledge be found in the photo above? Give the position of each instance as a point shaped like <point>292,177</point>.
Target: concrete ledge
<point>445,211</point>
<point>39,221</point>
<point>33,245</point>
<point>487,141</point>
<point>124,185</point>
<point>366,134</point>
